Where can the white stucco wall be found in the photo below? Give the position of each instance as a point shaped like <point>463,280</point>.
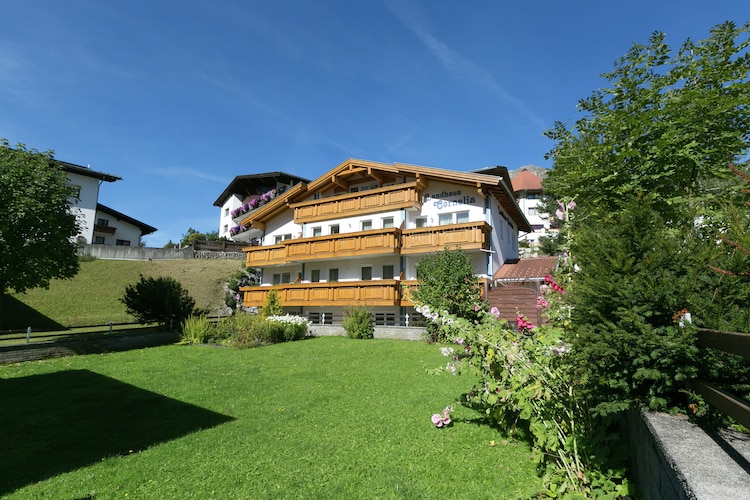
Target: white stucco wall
<point>85,207</point>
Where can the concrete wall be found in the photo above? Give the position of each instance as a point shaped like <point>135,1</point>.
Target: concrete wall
<point>381,332</point>
<point>111,252</point>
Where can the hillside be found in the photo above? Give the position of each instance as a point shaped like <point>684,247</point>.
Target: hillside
<point>92,296</point>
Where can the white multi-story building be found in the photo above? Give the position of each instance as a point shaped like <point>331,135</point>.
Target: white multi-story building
<point>244,193</point>
<point>527,187</point>
<point>353,236</point>
<point>100,224</point>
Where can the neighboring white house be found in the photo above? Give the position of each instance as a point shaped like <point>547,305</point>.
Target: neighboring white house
<point>527,187</point>
<point>354,235</point>
<point>115,228</point>
<point>244,191</point>
<point>100,224</point>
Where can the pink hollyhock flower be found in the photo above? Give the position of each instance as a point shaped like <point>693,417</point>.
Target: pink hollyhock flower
<point>495,312</point>
<point>571,205</point>
<point>437,419</point>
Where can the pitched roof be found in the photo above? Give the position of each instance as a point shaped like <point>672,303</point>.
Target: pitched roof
<point>530,269</point>
<point>145,228</point>
<point>78,169</point>
<point>497,185</point>
<point>250,184</point>
<point>527,181</point>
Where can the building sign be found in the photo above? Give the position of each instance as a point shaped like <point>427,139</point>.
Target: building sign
<point>440,201</point>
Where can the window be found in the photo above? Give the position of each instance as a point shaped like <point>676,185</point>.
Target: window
<point>366,225</point>
<point>532,211</point>
<point>387,272</point>
<point>226,211</point>
<point>445,219</point>
<point>366,273</point>
<point>462,217</point>
<point>123,243</point>
<point>315,275</point>
<point>102,222</point>
<point>333,229</point>
<point>420,222</point>
<point>333,275</point>
<point>99,240</point>
<point>317,231</point>
<point>226,228</point>
<point>281,237</point>
<point>276,279</point>
<point>387,222</point>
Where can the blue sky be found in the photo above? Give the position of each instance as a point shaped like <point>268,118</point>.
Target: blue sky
<point>178,97</point>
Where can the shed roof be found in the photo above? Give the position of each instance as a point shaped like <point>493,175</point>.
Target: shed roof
<point>530,269</point>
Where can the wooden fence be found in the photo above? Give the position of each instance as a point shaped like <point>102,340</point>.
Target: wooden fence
<point>734,343</point>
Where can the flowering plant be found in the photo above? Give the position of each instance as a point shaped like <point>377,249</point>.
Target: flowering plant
<point>442,419</point>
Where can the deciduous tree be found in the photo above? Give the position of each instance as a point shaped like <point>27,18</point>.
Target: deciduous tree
<point>667,125</point>
<point>37,227</point>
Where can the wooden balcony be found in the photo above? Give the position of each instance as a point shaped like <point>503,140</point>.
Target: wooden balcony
<point>361,203</point>
<point>467,235</point>
<point>341,293</point>
<point>104,229</point>
<point>334,246</point>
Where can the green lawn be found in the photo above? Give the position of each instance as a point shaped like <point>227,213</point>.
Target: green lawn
<point>92,296</point>
<point>328,417</point>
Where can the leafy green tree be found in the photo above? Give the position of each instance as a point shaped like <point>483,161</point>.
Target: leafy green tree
<point>193,235</point>
<point>158,300</point>
<point>668,125</point>
<point>37,226</point>
<point>447,283</point>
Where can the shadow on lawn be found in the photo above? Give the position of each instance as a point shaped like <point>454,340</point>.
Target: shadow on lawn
<point>58,422</point>
<point>15,315</point>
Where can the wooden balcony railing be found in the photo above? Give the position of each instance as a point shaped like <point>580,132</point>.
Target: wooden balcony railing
<point>334,246</point>
<point>361,203</point>
<point>468,235</point>
<point>341,293</point>
<point>104,229</point>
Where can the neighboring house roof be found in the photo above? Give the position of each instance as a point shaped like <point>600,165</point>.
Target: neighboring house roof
<point>531,269</point>
<point>145,228</point>
<point>527,181</point>
<point>247,184</point>
<point>86,171</point>
<point>363,169</point>
<point>538,171</point>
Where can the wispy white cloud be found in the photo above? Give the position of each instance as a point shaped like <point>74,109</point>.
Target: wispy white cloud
<point>460,67</point>
<point>189,172</point>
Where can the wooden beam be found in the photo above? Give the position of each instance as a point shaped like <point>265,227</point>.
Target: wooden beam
<point>735,407</point>
<point>373,173</point>
<point>731,342</point>
<point>335,180</point>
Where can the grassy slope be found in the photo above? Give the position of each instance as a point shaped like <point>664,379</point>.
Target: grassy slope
<point>322,418</point>
<point>92,296</point>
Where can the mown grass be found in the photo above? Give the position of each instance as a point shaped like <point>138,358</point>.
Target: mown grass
<point>321,418</point>
<point>92,296</point>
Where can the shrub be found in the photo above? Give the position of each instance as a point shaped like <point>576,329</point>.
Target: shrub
<point>291,327</point>
<point>158,300</point>
<point>195,330</point>
<point>358,323</point>
<point>272,306</point>
<point>253,330</point>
